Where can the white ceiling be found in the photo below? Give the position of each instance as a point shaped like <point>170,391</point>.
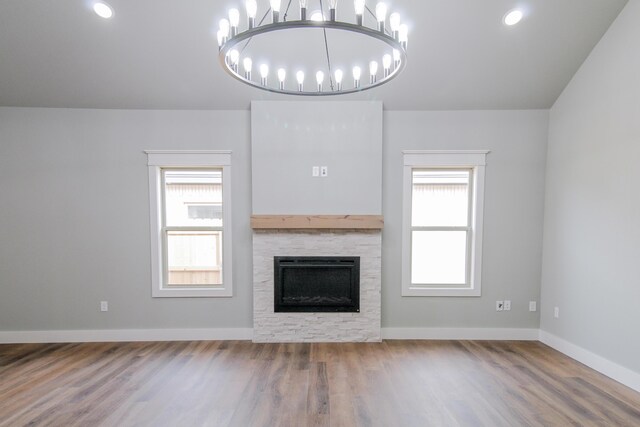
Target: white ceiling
<point>162,54</point>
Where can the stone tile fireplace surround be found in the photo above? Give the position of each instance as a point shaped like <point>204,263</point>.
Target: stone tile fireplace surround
<point>317,236</point>
<point>299,214</point>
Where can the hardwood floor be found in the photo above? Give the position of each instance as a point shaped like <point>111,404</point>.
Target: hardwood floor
<point>237,383</point>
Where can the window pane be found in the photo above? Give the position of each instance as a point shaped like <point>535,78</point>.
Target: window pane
<point>194,258</point>
<point>440,198</point>
<point>438,257</point>
<point>193,197</point>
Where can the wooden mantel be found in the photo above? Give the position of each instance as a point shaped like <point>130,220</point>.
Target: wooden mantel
<point>353,222</point>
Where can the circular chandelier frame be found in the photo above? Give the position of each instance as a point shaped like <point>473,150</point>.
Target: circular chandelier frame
<point>229,44</point>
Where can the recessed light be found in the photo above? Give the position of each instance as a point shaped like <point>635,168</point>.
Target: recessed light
<point>512,17</point>
<point>103,10</point>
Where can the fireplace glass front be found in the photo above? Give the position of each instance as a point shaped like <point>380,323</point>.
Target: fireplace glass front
<point>317,284</point>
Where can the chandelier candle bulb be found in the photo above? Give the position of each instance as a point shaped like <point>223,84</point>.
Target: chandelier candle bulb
<point>252,10</point>
<point>357,72</point>
<point>396,58</point>
<point>303,10</point>
<point>403,36</point>
<point>282,74</point>
<point>319,80</point>
<point>264,73</point>
<point>338,76</point>
<point>317,16</point>
<point>394,24</point>
<point>275,9</point>
<point>386,64</point>
<point>220,37</point>
<point>224,30</point>
<point>234,20</point>
<point>300,78</point>
<point>224,27</point>
<point>359,8</point>
<point>234,56</point>
<point>373,71</point>
<point>332,9</point>
<point>381,15</point>
<point>247,63</point>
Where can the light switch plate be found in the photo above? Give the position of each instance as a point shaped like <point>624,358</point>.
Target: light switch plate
<point>315,171</point>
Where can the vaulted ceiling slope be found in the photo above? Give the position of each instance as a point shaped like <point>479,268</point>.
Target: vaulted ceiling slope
<point>162,54</point>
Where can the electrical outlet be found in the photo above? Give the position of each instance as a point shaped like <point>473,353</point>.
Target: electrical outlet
<point>324,171</point>
<point>533,306</point>
<point>556,312</point>
<point>315,171</point>
<point>499,305</point>
<point>104,306</point>
<point>507,305</point>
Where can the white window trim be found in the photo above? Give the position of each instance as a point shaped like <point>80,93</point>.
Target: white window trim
<point>156,160</point>
<point>472,159</point>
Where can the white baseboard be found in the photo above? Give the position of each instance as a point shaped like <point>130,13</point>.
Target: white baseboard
<point>498,334</point>
<point>605,366</point>
<point>115,335</point>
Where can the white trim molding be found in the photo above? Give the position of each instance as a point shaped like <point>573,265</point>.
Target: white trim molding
<point>158,159</point>
<point>475,161</point>
<point>493,334</point>
<point>605,366</point>
<point>124,335</point>
<point>214,334</point>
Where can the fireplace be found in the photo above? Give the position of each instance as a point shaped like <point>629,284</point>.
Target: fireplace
<point>316,284</point>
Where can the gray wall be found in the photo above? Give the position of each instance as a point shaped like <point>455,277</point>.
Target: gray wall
<point>591,266</point>
<point>289,138</point>
<point>74,218</point>
<point>74,222</point>
<point>514,192</point>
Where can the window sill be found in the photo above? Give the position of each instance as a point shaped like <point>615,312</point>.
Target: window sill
<point>192,293</point>
<point>426,291</point>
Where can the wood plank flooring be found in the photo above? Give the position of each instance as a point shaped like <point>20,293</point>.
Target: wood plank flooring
<point>238,383</point>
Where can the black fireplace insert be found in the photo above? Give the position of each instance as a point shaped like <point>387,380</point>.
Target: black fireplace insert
<point>316,284</point>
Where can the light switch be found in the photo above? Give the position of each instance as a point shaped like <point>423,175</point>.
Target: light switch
<point>315,171</point>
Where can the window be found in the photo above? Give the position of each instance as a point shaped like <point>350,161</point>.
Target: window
<point>442,223</point>
<point>190,223</point>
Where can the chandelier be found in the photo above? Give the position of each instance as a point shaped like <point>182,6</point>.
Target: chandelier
<point>331,78</point>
